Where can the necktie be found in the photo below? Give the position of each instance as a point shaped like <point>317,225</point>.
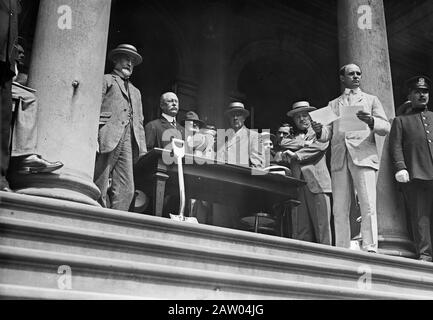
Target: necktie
<point>350,97</point>
<point>174,123</point>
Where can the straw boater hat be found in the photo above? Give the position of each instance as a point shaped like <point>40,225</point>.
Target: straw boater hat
<point>127,49</point>
<point>300,106</point>
<point>192,116</point>
<point>236,106</point>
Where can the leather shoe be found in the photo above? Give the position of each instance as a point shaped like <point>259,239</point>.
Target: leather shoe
<point>4,185</point>
<point>36,164</point>
<point>425,258</point>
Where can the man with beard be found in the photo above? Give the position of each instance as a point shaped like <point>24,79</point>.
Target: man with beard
<point>121,136</point>
<point>411,149</point>
<point>355,160</point>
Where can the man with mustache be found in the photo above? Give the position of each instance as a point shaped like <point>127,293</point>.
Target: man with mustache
<point>354,159</point>
<point>121,136</point>
<point>411,150</point>
<point>160,131</point>
<point>311,219</point>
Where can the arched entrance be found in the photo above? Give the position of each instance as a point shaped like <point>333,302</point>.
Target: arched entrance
<point>271,76</point>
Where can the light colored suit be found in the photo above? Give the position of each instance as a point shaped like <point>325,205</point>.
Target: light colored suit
<point>311,219</point>
<point>121,141</point>
<point>242,148</point>
<point>354,162</point>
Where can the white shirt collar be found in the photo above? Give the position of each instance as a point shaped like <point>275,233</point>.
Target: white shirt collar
<point>169,118</point>
<point>355,91</point>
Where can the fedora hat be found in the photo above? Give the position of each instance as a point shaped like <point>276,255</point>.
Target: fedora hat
<point>300,106</point>
<point>236,107</point>
<point>192,116</point>
<point>128,50</point>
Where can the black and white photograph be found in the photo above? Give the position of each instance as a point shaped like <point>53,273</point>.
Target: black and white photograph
<point>216,155</point>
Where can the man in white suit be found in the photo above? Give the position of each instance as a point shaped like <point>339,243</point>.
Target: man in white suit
<point>242,146</point>
<point>354,159</point>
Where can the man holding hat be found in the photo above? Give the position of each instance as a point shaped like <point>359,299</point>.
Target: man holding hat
<point>411,149</point>
<point>355,160</point>
<point>242,146</point>
<point>311,219</point>
<point>121,136</point>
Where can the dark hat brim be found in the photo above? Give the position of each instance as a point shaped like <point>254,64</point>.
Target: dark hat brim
<point>231,110</point>
<point>135,57</point>
<point>201,123</point>
<point>301,109</point>
<point>411,84</point>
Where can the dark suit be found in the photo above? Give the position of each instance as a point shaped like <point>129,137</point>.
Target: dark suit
<point>9,10</point>
<point>121,141</point>
<point>160,131</point>
<point>411,148</point>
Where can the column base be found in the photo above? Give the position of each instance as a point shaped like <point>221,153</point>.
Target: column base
<point>397,246</point>
<point>59,186</point>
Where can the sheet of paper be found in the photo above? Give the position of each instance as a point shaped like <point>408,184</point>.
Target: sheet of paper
<point>323,115</point>
<point>349,121</point>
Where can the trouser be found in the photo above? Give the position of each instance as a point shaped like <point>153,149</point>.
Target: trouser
<point>419,203</point>
<point>344,181</point>
<point>24,137</point>
<point>5,118</point>
<point>117,165</point>
<point>311,219</point>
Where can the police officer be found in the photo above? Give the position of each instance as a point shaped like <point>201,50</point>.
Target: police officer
<point>411,148</point>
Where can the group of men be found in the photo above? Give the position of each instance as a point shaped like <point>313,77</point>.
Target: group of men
<point>302,146</point>
<point>355,162</point>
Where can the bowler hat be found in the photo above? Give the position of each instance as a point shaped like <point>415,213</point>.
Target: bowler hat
<point>192,116</point>
<point>300,106</point>
<point>236,107</point>
<point>418,82</point>
<point>128,50</point>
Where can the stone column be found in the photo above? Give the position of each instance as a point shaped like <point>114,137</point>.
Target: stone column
<point>67,66</point>
<point>363,41</point>
<point>211,98</point>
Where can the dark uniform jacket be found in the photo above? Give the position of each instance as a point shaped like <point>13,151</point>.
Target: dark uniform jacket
<point>9,10</point>
<point>115,114</point>
<point>411,144</point>
<point>159,133</point>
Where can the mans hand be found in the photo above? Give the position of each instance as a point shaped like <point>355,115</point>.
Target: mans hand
<point>402,176</point>
<point>317,127</point>
<point>365,117</point>
<point>290,154</point>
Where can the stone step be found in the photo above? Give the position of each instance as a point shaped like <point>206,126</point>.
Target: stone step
<point>51,227</point>
<point>95,243</point>
<point>30,268</point>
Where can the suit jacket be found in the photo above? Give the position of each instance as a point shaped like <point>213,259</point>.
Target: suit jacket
<point>311,165</point>
<point>361,145</point>
<point>411,144</point>
<point>242,148</point>
<point>159,133</point>
<point>114,114</point>
<point>9,10</point>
